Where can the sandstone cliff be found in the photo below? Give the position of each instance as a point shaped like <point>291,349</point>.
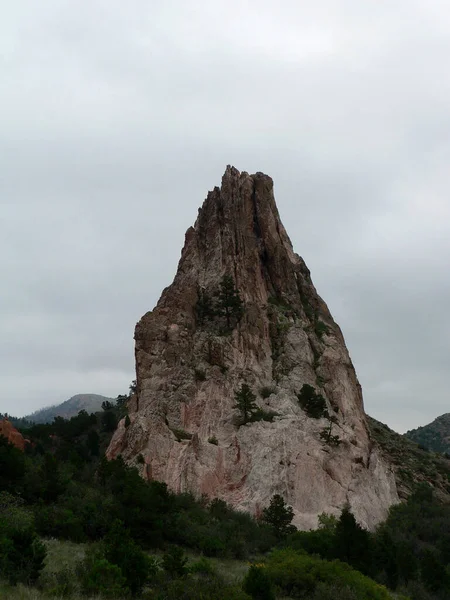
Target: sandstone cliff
<point>189,365</point>
<point>13,436</point>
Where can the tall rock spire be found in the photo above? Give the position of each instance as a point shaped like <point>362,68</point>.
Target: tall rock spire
<point>191,359</point>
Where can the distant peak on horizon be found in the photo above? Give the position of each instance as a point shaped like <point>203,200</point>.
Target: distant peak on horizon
<point>69,408</point>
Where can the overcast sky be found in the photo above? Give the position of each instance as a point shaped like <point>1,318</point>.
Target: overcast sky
<point>116,118</point>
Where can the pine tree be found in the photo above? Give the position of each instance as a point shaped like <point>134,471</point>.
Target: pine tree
<point>352,542</point>
<point>205,307</point>
<point>230,304</point>
<point>279,515</point>
<point>245,403</point>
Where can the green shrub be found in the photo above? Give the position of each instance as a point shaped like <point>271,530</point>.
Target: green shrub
<point>98,576</point>
<point>257,584</point>
<point>320,328</point>
<point>202,566</point>
<point>312,403</point>
<point>180,434</point>
<point>22,554</point>
<point>12,465</point>
<point>120,549</point>
<point>299,575</point>
<point>331,440</point>
<point>62,584</point>
<point>199,375</point>
<point>174,562</point>
<point>263,415</point>
<point>267,391</point>
<point>197,588</point>
<point>245,403</point>
<point>213,440</point>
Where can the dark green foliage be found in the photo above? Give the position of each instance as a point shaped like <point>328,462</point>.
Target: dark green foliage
<point>205,309</point>
<point>127,422</point>
<point>223,307</point>
<point>202,566</point>
<point>229,304</point>
<point>22,554</point>
<point>198,587</point>
<point>180,434</point>
<point>109,420</point>
<point>213,440</point>
<point>257,584</point>
<point>12,465</point>
<point>327,438</point>
<point>199,375</point>
<point>279,516</point>
<point>266,391</point>
<point>245,403</point>
<point>119,548</point>
<point>320,328</point>
<point>434,436</point>
<point>413,545</point>
<point>61,584</point>
<point>263,415</point>
<point>17,422</point>
<point>93,442</point>
<point>312,403</point>
<point>301,576</point>
<point>412,465</point>
<point>174,562</point>
<point>98,576</point>
<point>352,542</point>
<point>319,541</point>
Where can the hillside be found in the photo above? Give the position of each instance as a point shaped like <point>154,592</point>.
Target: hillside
<point>412,465</point>
<point>77,526</point>
<point>434,436</point>
<point>70,408</point>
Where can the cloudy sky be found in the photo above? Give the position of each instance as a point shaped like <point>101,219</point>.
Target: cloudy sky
<point>117,118</point>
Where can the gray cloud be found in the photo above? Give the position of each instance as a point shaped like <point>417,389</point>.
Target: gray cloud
<point>117,118</point>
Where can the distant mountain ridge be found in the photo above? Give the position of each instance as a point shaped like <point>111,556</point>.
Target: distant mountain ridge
<point>434,436</point>
<point>70,408</point>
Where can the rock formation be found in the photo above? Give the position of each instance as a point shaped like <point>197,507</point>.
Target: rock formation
<point>191,360</point>
<point>13,436</point>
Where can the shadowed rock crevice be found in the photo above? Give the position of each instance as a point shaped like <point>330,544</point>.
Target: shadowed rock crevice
<point>189,369</point>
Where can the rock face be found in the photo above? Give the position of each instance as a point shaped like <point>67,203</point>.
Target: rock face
<point>13,436</point>
<point>190,363</point>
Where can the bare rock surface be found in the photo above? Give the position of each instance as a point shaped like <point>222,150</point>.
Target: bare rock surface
<point>13,436</point>
<point>189,368</point>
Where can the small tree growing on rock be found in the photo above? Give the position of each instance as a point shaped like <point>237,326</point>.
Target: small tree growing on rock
<point>312,403</point>
<point>229,304</point>
<point>245,403</point>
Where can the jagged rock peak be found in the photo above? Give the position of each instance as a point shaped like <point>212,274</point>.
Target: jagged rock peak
<point>243,309</point>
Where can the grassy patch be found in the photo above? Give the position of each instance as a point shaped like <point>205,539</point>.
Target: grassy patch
<point>62,554</point>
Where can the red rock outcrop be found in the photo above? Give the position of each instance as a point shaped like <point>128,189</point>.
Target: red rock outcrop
<point>188,367</point>
<point>13,436</point>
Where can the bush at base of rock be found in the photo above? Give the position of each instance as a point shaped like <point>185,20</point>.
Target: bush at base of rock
<point>299,575</point>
